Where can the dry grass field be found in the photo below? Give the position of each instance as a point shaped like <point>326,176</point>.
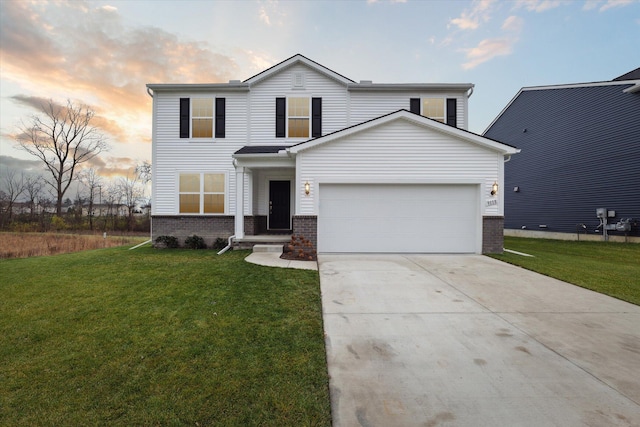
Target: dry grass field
<point>25,245</point>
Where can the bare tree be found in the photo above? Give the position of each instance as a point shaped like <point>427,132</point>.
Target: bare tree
<point>33,189</point>
<point>14,187</point>
<point>90,179</point>
<point>62,137</point>
<point>144,172</point>
<point>132,192</point>
<point>112,198</point>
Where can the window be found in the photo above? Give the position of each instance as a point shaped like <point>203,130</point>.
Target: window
<point>197,119</point>
<point>436,109</point>
<point>433,108</point>
<point>202,193</point>
<point>202,118</point>
<point>298,117</point>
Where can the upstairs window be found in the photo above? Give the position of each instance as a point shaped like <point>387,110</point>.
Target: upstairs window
<point>202,193</point>
<point>433,108</point>
<point>440,109</point>
<point>298,117</point>
<point>201,118</point>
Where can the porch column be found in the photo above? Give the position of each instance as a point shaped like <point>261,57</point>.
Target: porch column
<point>239,218</point>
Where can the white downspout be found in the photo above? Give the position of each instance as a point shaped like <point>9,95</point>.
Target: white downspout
<point>226,248</point>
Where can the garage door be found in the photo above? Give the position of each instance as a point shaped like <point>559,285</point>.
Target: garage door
<point>398,218</point>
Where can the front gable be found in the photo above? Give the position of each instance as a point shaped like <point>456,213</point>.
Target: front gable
<point>295,60</point>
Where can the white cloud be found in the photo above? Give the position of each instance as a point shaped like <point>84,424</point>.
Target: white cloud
<point>538,5</point>
<point>488,49</point>
<point>264,17</point>
<point>470,19</point>
<point>608,4</point>
<point>513,24</point>
<point>615,3</point>
<point>485,50</point>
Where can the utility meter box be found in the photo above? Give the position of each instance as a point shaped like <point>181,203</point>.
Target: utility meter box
<point>601,212</point>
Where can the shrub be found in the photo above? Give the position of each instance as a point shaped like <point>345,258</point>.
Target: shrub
<point>166,242</point>
<point>58,223</point>
<point>219,244</point>
<point>195,242</point>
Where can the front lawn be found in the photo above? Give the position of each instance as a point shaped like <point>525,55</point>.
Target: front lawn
<point>606,267</point>
<point>160,337</point>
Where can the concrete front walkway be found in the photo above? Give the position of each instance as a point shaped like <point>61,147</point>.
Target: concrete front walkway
<point>435,340</point>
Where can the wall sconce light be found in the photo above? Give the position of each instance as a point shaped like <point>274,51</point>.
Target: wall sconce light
<point>307,188</point>
<point>494,188</point>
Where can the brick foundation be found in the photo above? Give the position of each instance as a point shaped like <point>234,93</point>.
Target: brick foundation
<point>306,226</point>
<point>492,234</point>
<point>181,227</point>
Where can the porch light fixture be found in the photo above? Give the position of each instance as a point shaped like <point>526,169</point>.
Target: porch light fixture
<point>494,188</point>
<point>307,188</point>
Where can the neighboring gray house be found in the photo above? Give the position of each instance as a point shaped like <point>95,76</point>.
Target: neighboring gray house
<point>580,152</point>
<point>354,167</point>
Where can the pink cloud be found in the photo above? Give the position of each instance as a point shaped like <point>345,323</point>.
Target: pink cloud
<point>485,50</point>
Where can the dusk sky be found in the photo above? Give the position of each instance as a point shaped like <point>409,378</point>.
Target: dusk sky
<point>102,53</point>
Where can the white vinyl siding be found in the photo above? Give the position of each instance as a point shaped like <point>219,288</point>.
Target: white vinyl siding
<point>262,103</point>
<point>172,155</point>
<point>370,105</point>
<point>398,152</point>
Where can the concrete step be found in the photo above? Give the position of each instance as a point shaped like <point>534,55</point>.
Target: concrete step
<point>268,248</point>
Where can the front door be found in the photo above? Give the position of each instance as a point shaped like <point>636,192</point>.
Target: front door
<point>279,205</point>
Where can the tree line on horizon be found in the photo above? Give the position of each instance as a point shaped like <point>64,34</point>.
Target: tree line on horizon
<point>63,139</point>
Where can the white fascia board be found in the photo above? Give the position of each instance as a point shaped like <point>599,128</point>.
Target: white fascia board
<point>279,160</point>
<point>414,118</point>
<point>409,87</point>
<point>198,87</point>
<point>579,85</point>
<point>633,89</point>
<point>298,59</point>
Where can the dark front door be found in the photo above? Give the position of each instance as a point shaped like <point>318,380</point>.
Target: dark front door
<point>279,205</point>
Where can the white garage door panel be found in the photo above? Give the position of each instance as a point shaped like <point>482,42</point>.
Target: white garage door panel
<point>398,218</point>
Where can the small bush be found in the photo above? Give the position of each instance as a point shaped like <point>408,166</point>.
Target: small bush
<point>219,244</point>
<point>166,242</point>
<point>195,242</point>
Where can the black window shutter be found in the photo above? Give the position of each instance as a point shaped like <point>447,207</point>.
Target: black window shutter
<point>414,105</point>
<point>316,117</point>
<point>281,106</point>
<point>184,117</point>
<point>452,112</point>
<point>220,117</point>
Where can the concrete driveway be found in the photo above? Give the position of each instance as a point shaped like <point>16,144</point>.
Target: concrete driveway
<point>465,340</point>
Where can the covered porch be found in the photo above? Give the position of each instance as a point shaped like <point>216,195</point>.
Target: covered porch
<point>266,194</point>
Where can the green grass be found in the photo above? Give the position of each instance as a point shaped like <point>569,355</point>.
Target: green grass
<point>606,267</point>
<point>160,337</point>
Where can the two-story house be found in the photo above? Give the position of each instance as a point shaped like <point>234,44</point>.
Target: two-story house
<point>579,171</point>
<point>354,167</point>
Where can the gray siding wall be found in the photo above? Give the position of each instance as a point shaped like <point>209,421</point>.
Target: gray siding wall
<point>580,151</point>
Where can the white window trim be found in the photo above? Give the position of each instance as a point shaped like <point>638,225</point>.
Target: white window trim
<point>287,117</point>
<point>213,118</point>
<point>202,193</point>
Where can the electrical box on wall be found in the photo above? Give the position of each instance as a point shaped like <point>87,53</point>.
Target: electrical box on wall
<point>601,212</point>
<point>611,214</point>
